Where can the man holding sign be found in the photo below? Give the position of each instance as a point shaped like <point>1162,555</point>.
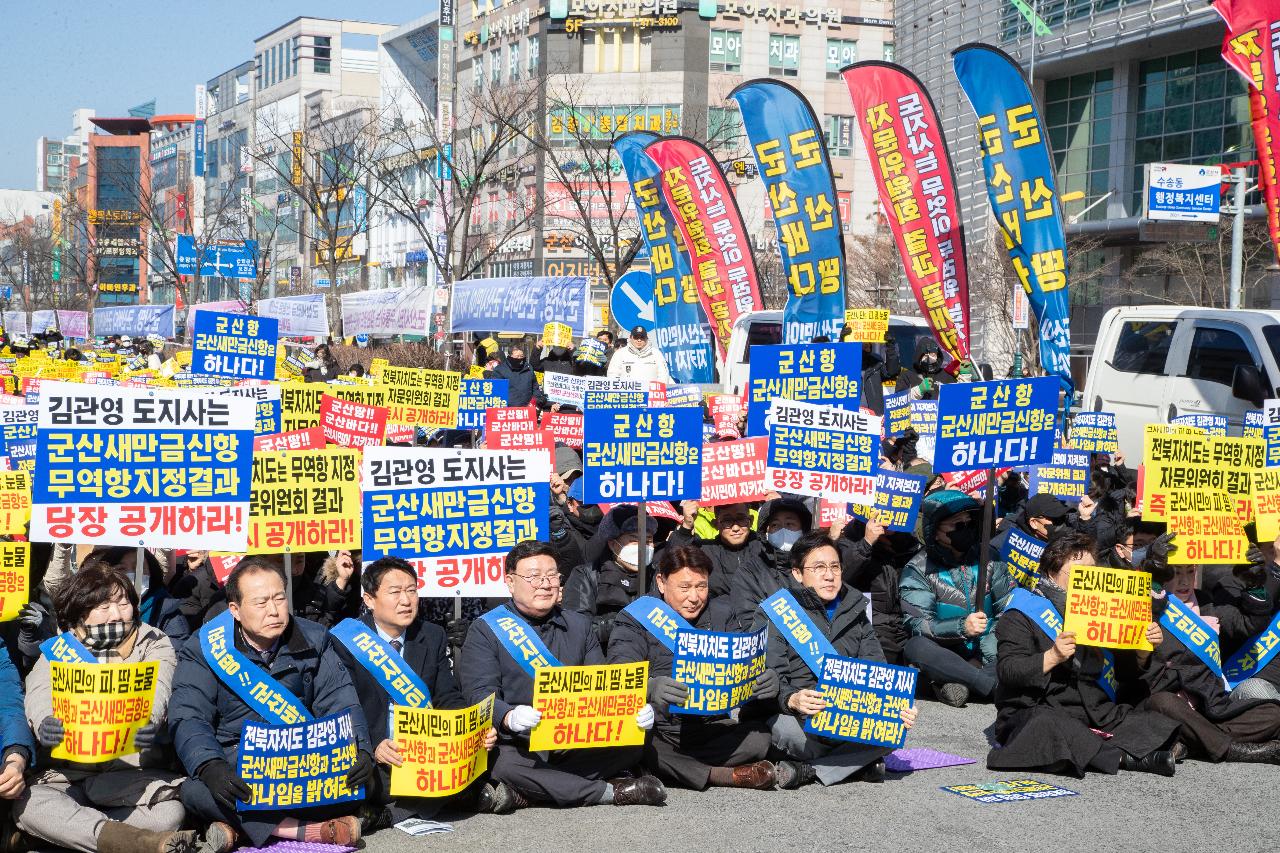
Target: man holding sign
<point>97,698</point>
<point>692,749</point>
<point>287,671</point>
<point>817,615</point>
<point>501,656</point>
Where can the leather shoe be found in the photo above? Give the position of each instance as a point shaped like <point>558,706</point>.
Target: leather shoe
<point>640,791</point>
<point>759,775</point>
<point>1254,753</point>
<point>1160,762</point>
<point>873,772</point>
<point>499,799</point>
<point>795,774</point>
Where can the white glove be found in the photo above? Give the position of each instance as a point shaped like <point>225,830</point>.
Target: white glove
<point>644,717</point>
<point>522,718</point>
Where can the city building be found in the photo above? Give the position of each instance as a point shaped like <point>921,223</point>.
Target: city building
<point>117,181</point>
<point>1122,85</point>
<point>56,157</point>
<point>169,202</point>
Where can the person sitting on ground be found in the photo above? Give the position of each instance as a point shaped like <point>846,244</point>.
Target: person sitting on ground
<point>691,751</point>
<point>603,588</point>
<point>298,664</point>
<point>952,635</point>
<point>128,804</point>
<point>821,607</point>
<point>498,658</point>
<point>1056,700</point>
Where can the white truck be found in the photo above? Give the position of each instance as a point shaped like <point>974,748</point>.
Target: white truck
<point>1152,363</point>
<point>760,328</point>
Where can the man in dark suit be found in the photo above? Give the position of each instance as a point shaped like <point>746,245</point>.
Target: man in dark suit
<point>390,588</point>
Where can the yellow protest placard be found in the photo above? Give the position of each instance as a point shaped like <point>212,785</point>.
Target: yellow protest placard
<point>377,366</point>
<point>101,707</point>
<point>305,501</point>
<point>300,404</point>
<point>868,325</point>
<point>15,502</point>
<point>1109,607</point>
<point>1266,503</point>
<point>588,706</point>
<point>15,578</point>
<point>557,335</point>
<point>443,751</point>
<point>475,371</point>
<point>419,397</point>
<point>1187,471</point>
<point>1208,537</point>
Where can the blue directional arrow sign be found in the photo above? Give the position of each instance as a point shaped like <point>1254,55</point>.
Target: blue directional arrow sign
<point>632,301</point>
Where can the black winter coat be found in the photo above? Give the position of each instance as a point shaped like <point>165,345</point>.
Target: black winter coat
<point>601,591</point>
<point>522,385</point>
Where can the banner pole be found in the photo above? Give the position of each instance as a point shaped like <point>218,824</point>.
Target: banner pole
<point>139,570</point>
<point>288,579</point>
<point>988,519</point>
<point>642,542</point>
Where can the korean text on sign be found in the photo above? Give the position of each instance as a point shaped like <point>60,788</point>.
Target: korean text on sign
<point>1065,476</point>
<point>1095,432</point>
<point>719,668</point>
<point>427,398</point>
<point>235,345</point>
<point>636,455</point>
<point>822,374</point>
<point>587,706</point>
<point>478,395</point>
<point>15,578</point>
<point>733,471</point>
<point>15,502</point>
<point>305,501</point>
<point>454,513</point>
<point>866,325</point>
<point>822,451</point>
<point>133,466</point>
<point>349,424</point>
<point>298,765</point>
<point>1010,791</point>
<point>443,751</point>
<point>101,707</point>
<point>1109,607</point>
<point>865,701</point>
<point>994,424</point>
<point>1021,554</point>
<point>897,503</point>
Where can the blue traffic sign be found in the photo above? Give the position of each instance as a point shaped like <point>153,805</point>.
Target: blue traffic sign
<point>632,300</point>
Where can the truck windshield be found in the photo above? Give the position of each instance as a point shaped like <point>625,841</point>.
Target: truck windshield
<point>1272,334</point>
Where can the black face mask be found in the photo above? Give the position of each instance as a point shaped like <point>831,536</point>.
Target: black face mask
<point>964,538</point>
<point>590,514</point>
<point>516,363</point>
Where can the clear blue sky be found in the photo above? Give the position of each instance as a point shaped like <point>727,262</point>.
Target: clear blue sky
<point>109,55</point>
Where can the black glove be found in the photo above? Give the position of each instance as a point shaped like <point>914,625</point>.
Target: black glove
<point>457,631</point>
<point>665,690</point>
<point>150,735</point>
<point>362,772</point>
<point>766,686</point>
<point>50,732</point>
<point>1252,576</point>
<point>226,787</point>
<point>1157,560</point>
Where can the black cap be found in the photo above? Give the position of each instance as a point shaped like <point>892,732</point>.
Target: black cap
<point>639,333</point>
<point>1046,506</point>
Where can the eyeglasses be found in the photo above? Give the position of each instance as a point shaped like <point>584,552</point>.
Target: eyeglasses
<point>536,581</point>
<point>824,570</point>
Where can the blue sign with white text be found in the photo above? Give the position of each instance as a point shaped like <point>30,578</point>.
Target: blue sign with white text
<point>865,701</point>
<point>478,395</point>
<point>822,374</point>
<point>236,345</point>
<point>633,455</point>
<point>239,260</point>
<point>1008,423</point>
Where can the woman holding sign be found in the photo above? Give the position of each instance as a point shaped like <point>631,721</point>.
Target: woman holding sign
<point>815,615</point>
<point>1056,702</point>
<point>103,784</point>
<point>698,748</point>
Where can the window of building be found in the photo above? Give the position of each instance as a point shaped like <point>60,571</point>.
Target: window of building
<point>1078,116</point>
<point>840,136</point>
<point>726,51</point>
<point>534,46</point>
<point>1215,354</point>
<point>257,71</point>
<point>513,60</point>
<point>724,126</point>
<point>611,50</point>
<point>1191,108</point>
<point>242,88</point>
<point>495,66</point>
<point>323,53</point>
<point>840,52</point>
<point>784,55</point>
<point>477,71</point>
<point>888,51</point>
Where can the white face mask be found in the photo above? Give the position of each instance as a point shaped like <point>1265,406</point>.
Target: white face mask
<point>630,554</point>
<point>783,538</point>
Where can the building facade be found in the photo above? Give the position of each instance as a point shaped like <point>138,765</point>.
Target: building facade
<point>56,158</point>
<point>116,186</point>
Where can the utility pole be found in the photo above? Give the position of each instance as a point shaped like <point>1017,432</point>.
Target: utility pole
<point>1240,179</point>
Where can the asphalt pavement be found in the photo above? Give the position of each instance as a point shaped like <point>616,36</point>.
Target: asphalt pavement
<point>1204,808</point>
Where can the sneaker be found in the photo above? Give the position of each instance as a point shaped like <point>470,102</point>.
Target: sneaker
<point>794,774</point>
<point>640,791</point>
<point>955,695</point>
<point>218,838</point>
<point>500,799</point>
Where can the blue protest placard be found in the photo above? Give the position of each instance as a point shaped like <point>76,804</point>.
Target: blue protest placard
<point>1253,422</point>
<point>1211,424</point>
<point>1009,791</point>
<point>478,395</point>
<point>1006,423</point>
<point>822,374</point>
<point>615,396</point>
<point>865,700</point>
<point>1021,553</point>
<point>898,498</point>
<point>1065,476</point>
<point>633,455</point>
<point>133,320</point>
<point>591,351</point>
<point>22,454</point>
<point>897,414</point>
<point>823,452</point>
<point>235,345</point>
<point>719,668</point>
<point>289,767</point>
<point>1095,432</point>
<point>681,396</point>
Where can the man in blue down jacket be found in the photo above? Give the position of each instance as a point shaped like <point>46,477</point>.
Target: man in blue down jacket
<point>207,717</point>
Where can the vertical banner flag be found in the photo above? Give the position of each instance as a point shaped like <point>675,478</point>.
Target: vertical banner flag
<point>788,144</point>
<point>1022,189</point>
<point>710,223</point>
<point>917,188</point>
<point>680,330</point>
<point>1249,47</point>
